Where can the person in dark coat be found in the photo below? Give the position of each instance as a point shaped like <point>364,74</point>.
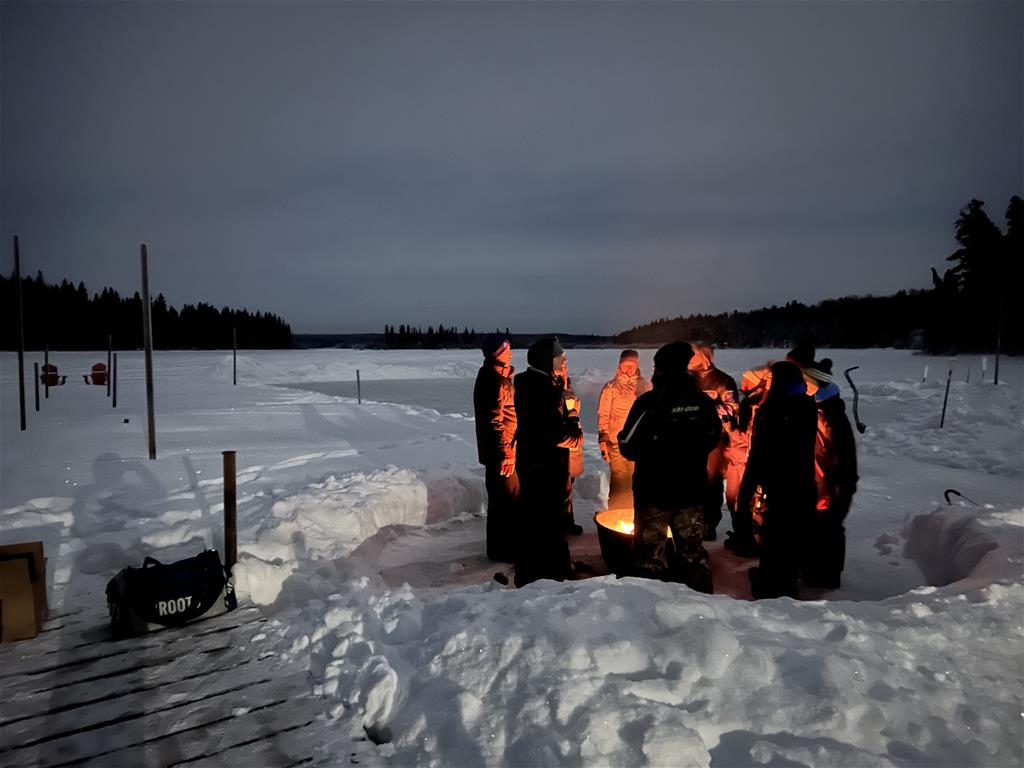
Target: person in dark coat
<point>495,412</point>
<point>835,459</point>
<point>669,433</point>
<point>543,440</point>
<point>779,480</point>
<point>721,388</point>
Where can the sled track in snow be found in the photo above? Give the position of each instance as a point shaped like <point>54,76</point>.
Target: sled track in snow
<point>202,694</point>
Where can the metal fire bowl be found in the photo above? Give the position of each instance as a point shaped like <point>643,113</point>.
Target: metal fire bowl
<point>616,546</point>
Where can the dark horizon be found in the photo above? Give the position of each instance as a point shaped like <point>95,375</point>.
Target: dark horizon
<point>590,167</point>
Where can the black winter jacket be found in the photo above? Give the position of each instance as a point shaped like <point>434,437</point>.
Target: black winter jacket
<point>669,433</point>
<point>545,433</point>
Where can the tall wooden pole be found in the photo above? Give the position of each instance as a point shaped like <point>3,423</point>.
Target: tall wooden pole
<point>110,363</point>
<point>147,332</point>
<point>21,334</point>
<point>234,356</point>
<point>35,378</point>
<point>113,376</point>
<point>230,512</point>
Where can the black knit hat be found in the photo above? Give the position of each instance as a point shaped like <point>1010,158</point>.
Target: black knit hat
<point>673,358</point>
<point>541,354</point>
<point>802,354</point>
<point>493,343</point>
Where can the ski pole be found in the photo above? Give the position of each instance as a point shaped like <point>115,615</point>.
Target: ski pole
<point>955,492</point>
<point>861,426</point>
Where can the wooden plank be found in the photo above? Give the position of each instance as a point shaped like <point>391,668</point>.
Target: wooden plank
<point>282,735</point>
<point>23,660</point>
<point>198,723</point>
<point>21,705</point>
<point>149,695</point>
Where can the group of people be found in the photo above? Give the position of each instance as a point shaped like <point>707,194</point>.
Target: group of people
<point>779,448</point>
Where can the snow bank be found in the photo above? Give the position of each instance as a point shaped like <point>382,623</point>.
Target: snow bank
<point>631,672</point>
<point>330,519</point>
<point>983,430</point>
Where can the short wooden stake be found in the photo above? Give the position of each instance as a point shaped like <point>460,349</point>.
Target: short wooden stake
<point>230,512</point>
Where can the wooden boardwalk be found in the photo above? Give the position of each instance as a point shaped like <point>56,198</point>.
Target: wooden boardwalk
<point>204,694</point>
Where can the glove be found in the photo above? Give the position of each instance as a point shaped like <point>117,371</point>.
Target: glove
<point>604,451</point>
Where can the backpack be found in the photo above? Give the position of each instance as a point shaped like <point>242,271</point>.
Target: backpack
<point>156,595</point>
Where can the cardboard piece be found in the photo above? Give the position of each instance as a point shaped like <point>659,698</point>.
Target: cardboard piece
<point>23,604</point>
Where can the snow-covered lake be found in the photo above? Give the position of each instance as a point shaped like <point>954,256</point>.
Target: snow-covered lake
<point>361,540</point>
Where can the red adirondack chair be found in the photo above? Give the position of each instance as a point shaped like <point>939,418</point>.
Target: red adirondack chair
<point>49,376</point>
<point>98,375</point>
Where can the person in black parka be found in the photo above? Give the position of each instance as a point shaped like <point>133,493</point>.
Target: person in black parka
<point>781,463</point>
<point>669,433</point>
<point>543,440</point>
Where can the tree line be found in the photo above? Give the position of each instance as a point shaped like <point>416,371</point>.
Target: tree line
<point>407,336</point>
<point>977,305</point>
<point>65,316</point>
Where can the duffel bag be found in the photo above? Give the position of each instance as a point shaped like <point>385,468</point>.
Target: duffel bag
<point>157,595</point>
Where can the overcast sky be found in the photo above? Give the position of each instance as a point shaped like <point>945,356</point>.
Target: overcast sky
<point>569,167</point>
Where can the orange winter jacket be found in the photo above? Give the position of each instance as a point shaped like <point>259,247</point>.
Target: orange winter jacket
<point>617,397</point>
<point>495,412</point>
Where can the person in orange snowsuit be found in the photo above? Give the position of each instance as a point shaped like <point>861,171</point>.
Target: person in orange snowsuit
<point>835,473</point>
<point>617,397</point>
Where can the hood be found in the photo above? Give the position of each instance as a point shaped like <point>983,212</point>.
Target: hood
<point>703,359</point>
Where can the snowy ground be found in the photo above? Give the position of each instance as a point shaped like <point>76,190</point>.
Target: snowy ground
<point>361,540</point>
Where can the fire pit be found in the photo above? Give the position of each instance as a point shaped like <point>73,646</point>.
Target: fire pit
<point>615,534</point>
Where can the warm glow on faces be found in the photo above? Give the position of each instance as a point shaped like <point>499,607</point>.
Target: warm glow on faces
<point>630,367</point>
<point>505,357</point>
<point>560,365</point>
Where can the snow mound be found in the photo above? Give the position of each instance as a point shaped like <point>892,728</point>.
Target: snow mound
<point>330,519</point>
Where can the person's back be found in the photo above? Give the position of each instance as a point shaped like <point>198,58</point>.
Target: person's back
<point>682,427</point>
<point>669,433</point>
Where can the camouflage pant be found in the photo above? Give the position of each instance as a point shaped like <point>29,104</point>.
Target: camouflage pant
<point>685,559</point>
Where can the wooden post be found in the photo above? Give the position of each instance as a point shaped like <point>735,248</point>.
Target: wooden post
<point>147,332</point>
<point>21,334</point>
<point>110,364</point>
<point>113,378</point>
<point>46,362</point>
<point>230,512</point>
<point>234,356</point>
<point>949,378</point>
<point>359,388</point>
<point>36,379</point>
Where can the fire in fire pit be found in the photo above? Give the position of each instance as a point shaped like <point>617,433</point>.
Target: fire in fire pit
<point>615,534</point>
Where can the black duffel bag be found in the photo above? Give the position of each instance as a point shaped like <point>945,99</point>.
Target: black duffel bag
<point>157,595</point>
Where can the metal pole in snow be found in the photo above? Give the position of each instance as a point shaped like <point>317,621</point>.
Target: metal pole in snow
<point>359,388</point>
<point>36,379</point>
<point>21,334</point>
<point>147,332</point>
<point>949,378</point>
